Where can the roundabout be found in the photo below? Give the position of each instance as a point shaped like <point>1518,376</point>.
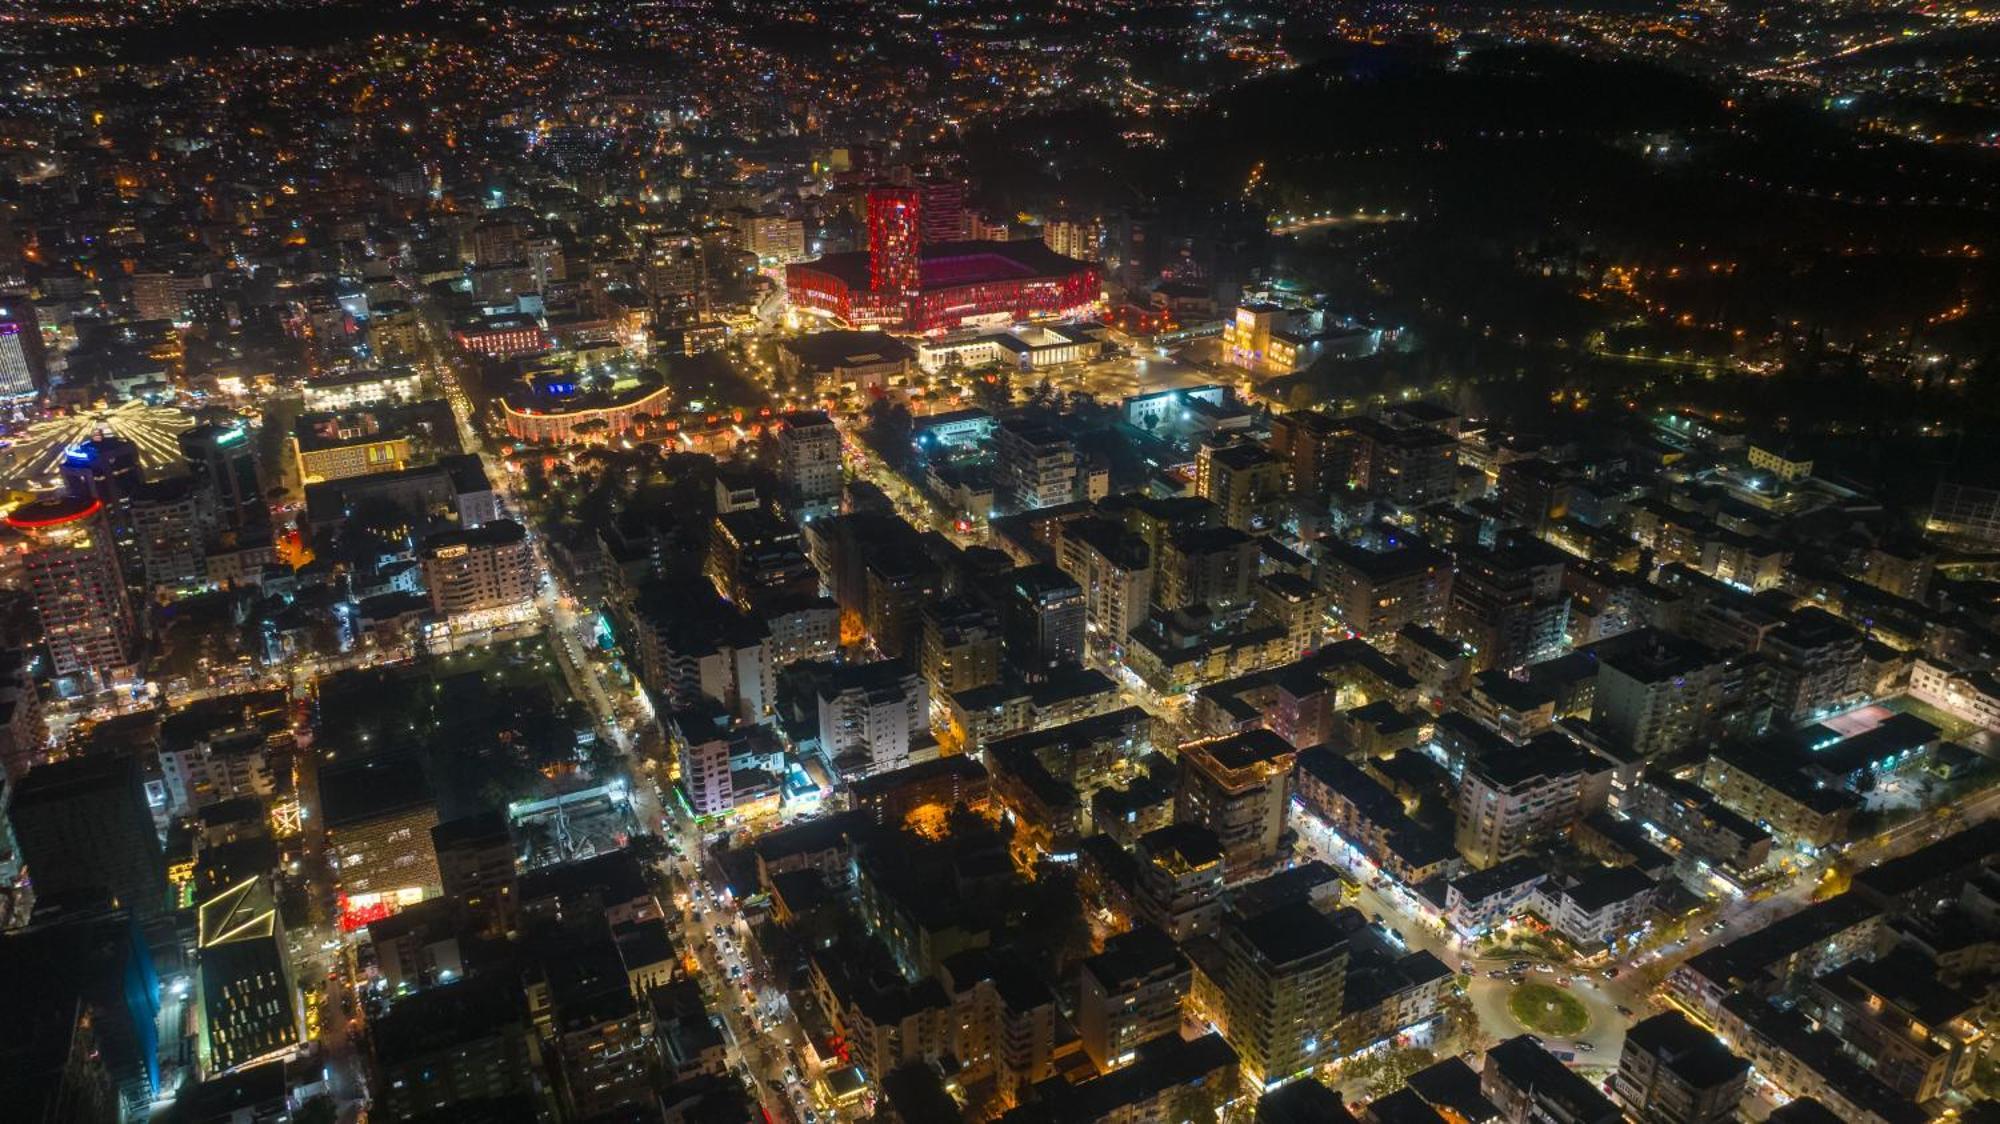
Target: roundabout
<point>1548,1010</point>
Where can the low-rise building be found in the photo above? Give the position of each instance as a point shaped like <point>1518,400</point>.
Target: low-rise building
<point>1769,790</point>
<point>466,1044</point>
<point>1529,1086</point>
<point>1804,1062</point>
<point>1919,1035</point>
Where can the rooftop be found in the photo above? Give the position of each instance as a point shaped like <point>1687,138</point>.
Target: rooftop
<point>374,787</point>
<point>953,264</point>
<point>1695,1055</point>
<point>1135,956</point>
<point>1526,1065</point>
<point>1289,933</point>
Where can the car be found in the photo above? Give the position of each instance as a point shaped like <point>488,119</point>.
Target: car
<point>1562,981</point>
<point>1514,980</point>
<point>1586,1047</point>
<point>1497,974</point>
<point>1624,1010</point>
<point>1545,968</point>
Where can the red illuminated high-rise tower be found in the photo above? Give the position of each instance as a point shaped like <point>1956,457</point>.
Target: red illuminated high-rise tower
<point>895,237</point>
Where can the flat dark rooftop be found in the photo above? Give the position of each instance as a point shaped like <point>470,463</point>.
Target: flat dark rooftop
<point>1697,1056</point>
<point>371,788</point>
<point>1290,933</point>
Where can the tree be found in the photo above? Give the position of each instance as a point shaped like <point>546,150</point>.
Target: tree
<point>647,848</point>
<point>994,390</point>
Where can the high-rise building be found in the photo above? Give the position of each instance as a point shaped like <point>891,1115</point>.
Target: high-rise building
<point>1244,480</point>
<point>1511,802</point>
<point>1045,612</point>
<point>1657,693</point>
<point>895,237</point>
<point>85,829</point>
<point>1311,445</point>
<point>941,206</point>
<point>599,1032</point>
<point>81,1003</point>
<point>224,462</point>
<point>1294,604</point>
<point>1673,1072</point>
<point>676,272</point>
<point>1916,1033</point>
<point>476,869</point>
<point>1037,464</point>
<point>166,523</point>
<point>205,762</point>
<point>1079,238</point>
<point>693,644</point>
<point>775,238</point>
<point>809,458</point>
<point>164,295</point>
<point>874,717</point>
<point>898,580</point>
<point>1180,879</point>
<point>1130,993</point>
<point>1115,572</point>
<point>1408,465</point>
<point>1378,593</point>
<point>1238,787</point>
<point>1207,566</point>
<point>79,587</point>
<point>1508,603</point>
<point>250,1006</point>
<point>479,569</point>
<point>24,728</point>
<point>106,468</point>
<point>103,468</point>
<point>1281,977</point>
<point>544,258</point>
<point>496,240</point>
<point>755,558</point>
<point>23,364</point>
<point>1814,664</point>
<point>699,736</point>
<point>960,647</point>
